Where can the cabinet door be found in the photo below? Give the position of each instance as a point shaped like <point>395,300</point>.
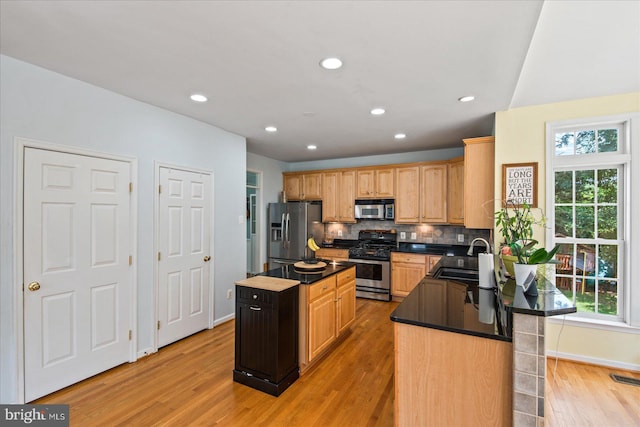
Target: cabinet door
<point>312,186</point>
<point>455,209</point>
<point>384,179</point>
<point>330,196</point>
<point>478,182</point>
<point>255,337</point>
<point>346,306</point>
<point>346,196</point>
<point>434,194</point>
<point>405,277</point>
<point>322,324</point>
<point>365,184</point>
<point>407,202</point>
<point>292,186</point>
<point>431,261</point>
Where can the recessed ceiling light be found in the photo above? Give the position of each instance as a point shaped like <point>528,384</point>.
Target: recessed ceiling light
<point>377,111</point>
<point>399,136</point>
<point>271,129</point>
<point>311,147</point>
<point>331,63</point>
<point>198,97</point>
<point>467,98</point>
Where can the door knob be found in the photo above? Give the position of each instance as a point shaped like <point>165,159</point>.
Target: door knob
<point>206,258</point>
<point>33,286</point>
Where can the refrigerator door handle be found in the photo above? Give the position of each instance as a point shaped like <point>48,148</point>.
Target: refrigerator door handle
<point>288,230</point>
<point>284,230</point>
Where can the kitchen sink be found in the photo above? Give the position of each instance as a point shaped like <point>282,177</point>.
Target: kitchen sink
<point>457,274</point>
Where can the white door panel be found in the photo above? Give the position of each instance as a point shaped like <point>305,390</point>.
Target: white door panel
<point>184,222</point>
<point>76,247</point>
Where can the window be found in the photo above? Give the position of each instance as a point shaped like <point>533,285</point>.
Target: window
<point>588,206</point>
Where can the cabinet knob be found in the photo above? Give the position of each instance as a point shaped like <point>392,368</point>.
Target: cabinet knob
<point>255,296</point>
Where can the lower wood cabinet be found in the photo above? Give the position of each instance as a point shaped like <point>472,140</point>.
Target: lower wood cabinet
<point>408,269</point>
<point>327,310</point>
<point>333,254</point>
<point>266,340</point>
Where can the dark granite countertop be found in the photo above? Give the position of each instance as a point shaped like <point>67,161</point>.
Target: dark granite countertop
<point>508,299</point>
<point>289,272</point>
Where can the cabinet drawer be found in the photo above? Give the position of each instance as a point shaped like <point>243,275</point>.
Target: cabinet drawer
<point>254,296</point>
<point>322,288</point>
<point>346,276</point>
<point>330,253</point>
<point>408,258</point>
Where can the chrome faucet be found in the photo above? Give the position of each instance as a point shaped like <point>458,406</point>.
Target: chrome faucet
<point>488,246</point>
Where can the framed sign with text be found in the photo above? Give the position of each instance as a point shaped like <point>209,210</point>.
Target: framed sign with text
<point>519,183</point>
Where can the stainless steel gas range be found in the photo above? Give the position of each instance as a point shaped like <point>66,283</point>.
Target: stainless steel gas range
<point>372,256</point>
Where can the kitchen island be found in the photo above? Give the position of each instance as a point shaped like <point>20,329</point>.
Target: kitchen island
<point>471,356</point>
<point>324,309</point>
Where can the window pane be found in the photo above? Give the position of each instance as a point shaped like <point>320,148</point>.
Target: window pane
<point>564,221</point>
<point>608,297</point>
<point>585,186</point>
<point>565,143</point>
<point>585,295</point>
<point>564,187</point>
<point>585,222</point>
<point>586,142</point>
<point>607,140</point>
<point>585,262</point>
<point>608,186</point>
<point>608,222</point>
<point>608,261</point>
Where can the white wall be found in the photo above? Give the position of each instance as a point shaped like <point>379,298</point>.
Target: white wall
<point>270,187</point>
<point>42,105</point>
<point>383,159</point>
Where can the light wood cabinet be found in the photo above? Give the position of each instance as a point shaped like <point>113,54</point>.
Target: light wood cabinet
<point>479,182</point>
<point>433,194</point>
<point>375,183</point>
<point>455,191</point>
<point>327,310</point>
<point>431,261</point>
<point>302,186</point>
<point>406,272</point>
<point>338,196</point>
<point>333,254</point>
<point>407,201</point>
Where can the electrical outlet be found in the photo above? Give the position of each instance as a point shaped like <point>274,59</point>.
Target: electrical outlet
<point>414,236</point>
<point>460,263</point>
<point>460,238</point>
<point>229,293</point>
<point>339,233</point>
<point>403,235</point>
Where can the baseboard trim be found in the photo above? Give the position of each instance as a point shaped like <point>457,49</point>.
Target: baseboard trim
<point>594,361</point>
<point>224,319</point>
<point>146,352</point>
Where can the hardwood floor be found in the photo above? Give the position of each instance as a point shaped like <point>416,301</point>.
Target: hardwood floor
<point>189,383</point>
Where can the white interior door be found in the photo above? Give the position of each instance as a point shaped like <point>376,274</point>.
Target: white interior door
<point>184,223</point>
<point>76,268</point>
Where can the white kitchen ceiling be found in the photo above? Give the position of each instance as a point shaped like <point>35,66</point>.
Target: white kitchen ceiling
<point>258,63</point>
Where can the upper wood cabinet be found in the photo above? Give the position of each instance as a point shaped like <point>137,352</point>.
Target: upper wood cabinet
<point>338,190</point>
<point>479,182</point>
<point>421,194</point>
<point>407,202</point>
<point>455,206</point>
<point>302,186</point>
<point>433,194</point>
<point>375,183</point>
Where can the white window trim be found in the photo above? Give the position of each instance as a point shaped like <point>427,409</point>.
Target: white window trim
<point>631,249</point>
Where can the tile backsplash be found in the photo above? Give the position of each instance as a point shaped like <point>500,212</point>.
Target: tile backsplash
<point>439,234</point>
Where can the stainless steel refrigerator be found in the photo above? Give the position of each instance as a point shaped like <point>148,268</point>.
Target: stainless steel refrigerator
<point>290,226</point>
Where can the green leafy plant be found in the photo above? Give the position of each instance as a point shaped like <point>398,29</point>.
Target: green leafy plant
<point>516,227</point>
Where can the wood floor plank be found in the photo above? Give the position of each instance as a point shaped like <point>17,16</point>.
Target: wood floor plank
<point>189,383</point>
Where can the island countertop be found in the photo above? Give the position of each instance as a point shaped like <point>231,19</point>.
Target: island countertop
<point>291,273</point>
<point>498,304</point>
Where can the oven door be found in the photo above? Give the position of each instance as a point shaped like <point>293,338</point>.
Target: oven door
<point>372,279</point>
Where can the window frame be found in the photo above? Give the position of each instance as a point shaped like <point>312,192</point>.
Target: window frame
<point>627,157</point>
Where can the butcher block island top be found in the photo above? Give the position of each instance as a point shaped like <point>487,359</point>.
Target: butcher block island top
<point>268,283</point>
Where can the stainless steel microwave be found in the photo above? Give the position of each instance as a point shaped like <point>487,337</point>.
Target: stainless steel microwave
<point>374,209</point>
